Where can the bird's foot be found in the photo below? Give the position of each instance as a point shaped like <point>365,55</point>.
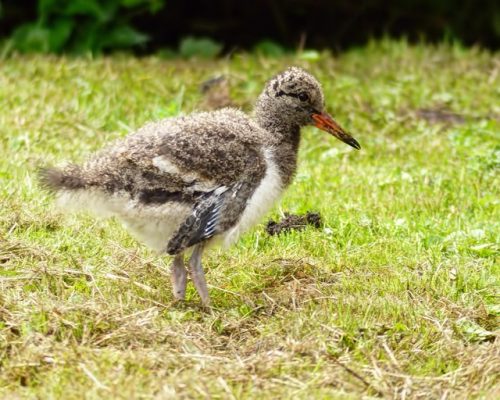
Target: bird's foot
<point>179,277</point>
<point>201,287</point>
<point>198,276</point>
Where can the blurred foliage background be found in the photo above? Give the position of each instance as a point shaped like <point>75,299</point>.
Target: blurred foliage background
<point>212,27</point>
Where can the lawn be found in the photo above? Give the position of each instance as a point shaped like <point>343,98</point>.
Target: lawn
<point>395,296</point>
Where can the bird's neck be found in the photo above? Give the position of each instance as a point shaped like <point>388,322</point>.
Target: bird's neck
<point>285,138</point>
<point>286,156</point>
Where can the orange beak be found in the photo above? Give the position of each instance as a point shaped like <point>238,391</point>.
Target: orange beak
<point>326,123</point>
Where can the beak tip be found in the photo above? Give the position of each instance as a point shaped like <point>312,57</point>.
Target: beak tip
<point>353,143</point>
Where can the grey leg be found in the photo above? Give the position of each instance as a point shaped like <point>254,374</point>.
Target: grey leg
<point>179,277</point>
<point>197,274</point>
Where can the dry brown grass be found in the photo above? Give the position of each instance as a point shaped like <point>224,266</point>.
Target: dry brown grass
<point>395,297</point>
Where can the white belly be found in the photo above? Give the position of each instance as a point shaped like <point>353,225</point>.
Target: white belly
<point>152,225</point>
<point>155,226</point>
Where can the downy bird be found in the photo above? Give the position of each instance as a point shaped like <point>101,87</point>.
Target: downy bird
<point>183,183</point>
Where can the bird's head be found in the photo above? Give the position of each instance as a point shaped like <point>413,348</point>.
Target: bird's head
<point>296,97</point>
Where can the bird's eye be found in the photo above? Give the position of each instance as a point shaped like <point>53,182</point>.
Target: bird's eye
<point>303,96</point>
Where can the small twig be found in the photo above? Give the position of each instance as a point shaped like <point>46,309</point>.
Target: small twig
<point>390,354</point>
<point>92,377</point>
<point>154,302</point>
<point>226,388</point>
<point>17,278</point>
<point>357,376</point>
<point>225,290</point>
<point>138,284</point>
<point>302,42</point>
<point>319,298</point>
<point>73,272</point>
<point>202,356</point>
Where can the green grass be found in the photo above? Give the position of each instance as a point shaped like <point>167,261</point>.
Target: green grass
<point>396,296</point>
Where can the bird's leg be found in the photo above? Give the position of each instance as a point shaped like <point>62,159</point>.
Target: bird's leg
<point>197,274</point>
<point>179,277</point>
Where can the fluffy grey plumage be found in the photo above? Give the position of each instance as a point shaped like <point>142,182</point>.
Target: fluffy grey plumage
<point>181,182</point>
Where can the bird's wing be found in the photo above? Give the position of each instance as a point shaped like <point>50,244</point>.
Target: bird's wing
<point>233,164</point>
<point>176,166</point>
<point>201,224</point>
<point>214,214</point>
<point>221,157</point>
<point>216,175</point>
<point>220,208</point>
<point>202,151</point>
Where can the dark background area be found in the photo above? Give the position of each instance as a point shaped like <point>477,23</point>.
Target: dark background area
<point>146,26</point>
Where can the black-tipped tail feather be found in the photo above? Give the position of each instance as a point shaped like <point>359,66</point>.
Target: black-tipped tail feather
<point>54,179</point>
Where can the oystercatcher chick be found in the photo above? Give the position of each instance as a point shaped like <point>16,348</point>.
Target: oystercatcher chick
<point>182,183</point>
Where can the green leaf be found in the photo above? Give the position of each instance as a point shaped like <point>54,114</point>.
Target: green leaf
<point>473,331</point>
<point>60,32</point>
<point>310,55</point>
<point>153,5</point>
<point>156,5</point>
<point>493,309</point>
<point>31,38</point>
<point>199,47</point>
<point>92,8</point>
<point>46,7</point>
<point>133,3</point>
<point>124,36</point>
<point>167,53</point>
<point>87,38</point>
<point>269,48</point>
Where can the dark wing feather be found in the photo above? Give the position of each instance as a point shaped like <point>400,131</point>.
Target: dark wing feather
<point>213,214</point>
<point>202,224</point>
